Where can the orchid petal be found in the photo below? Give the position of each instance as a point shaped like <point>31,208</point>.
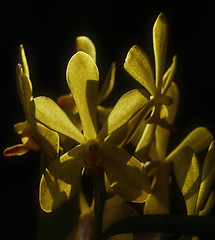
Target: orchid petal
<point>23,61</point>
<point>67,102</point>
<point>84,44</point>
<point>199,139</point>
<point>143,147</point>
<point>138,66</point>
<point>208,175</point>
<point>168,76</point>
<point>160,47</point>
<point>108,84</point>
<point>47,112</point>
<point>187,173</point>
<point>20,127</point>
<point>61,180</point>
<point>83,79</point>
<point>48,140</point>
<point>24,87</point>
<point>208,205</point>
<point>16,150</point>
<point>126,107</point>
<point>161,134</point>
<point>158,201</point>
<point>126,174</point>
<point>103,114</point>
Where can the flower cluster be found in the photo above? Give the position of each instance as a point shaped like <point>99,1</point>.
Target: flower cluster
<point>77,135</point>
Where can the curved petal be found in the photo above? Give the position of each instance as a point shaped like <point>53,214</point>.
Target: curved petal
<point>161,134</point>
<point>108,84</point>
<point>160,47</point>
<point>138,66</point>
<point>83,79</point>
<point>126,107</point>
<point>126,174</point>
<point>208,175</point>
<point>16,150</point>
<point>199,139</point>
<point>46,111</point>
<point>187,173</point>
<point>61,180</point>
<point>23,61</point>
<point>84,44</point>
<point>24,87</point>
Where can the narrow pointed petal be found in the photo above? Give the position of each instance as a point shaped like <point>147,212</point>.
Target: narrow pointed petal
<point>51,115</point>
<point>208,176</point>
<point>24,87</point>
<point>108,84</point>
<point>126,107</point>
<point>23,61</point>
<point>84,44</point>
<point>61,180</point>
<point>138,66</point>
<point>199,139</point>
<point>187,173</point>
<point>161,134</point>
<point>143,147</point>
<point>83,79</point>
<point>126,174</point>
<point>168,76</point>
<point>160,47</point>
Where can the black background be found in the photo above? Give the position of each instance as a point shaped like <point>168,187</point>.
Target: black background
<point>48,30</point>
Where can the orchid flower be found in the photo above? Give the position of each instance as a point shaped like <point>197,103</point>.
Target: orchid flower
<point>35,136</point>
<point>139,67</point>
<point>61,180</point>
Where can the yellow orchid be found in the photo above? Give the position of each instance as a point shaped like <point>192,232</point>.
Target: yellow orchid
<point>125,173</point>
<point>139,67</point>
<point>84,44</point>
<point>35,136</point>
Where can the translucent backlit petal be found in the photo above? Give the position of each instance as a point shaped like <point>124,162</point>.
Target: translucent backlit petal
<point>50,114</point>
<point>23,61</point>
<point>108,84</point>
<point>84,44</point>
<point>138,66</point>
<point>187,173</point>
<point>160,47</point>
<point>126,174</point>
<point>83,79</point>
<point>67,102</point>
<point>16,150</point>
<point>161,134</point>
<point>61,181</point>
<point>208,176</point>
<point>126,107</point>
<point>199,139</point>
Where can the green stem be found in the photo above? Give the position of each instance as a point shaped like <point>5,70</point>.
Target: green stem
<point>99,196</point>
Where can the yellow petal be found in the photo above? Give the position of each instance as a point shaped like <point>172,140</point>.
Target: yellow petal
<point>168,76</point>
<point>158,201</point>
<point>187,173</point>
<point>20,127</point>
<point>126,174</point>
<point>126,107</point>
<point>208,175</point>
<point>108,84</point>
<point>16,150</point>
<point>199,139</point>
<point>48,140</point>
<point>84,44</point>
<point>61,181</point>
<point>83,79</point>
<point>138,66</point>
<point>161,134</point>
<point>24,87</point>
<point>23,60</point>
<point>143,148</point>
<point>208,205</point>
<point>160,47</point>
<point>50,114</point>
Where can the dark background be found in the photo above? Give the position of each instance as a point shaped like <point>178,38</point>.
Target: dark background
<point>48,30</point>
